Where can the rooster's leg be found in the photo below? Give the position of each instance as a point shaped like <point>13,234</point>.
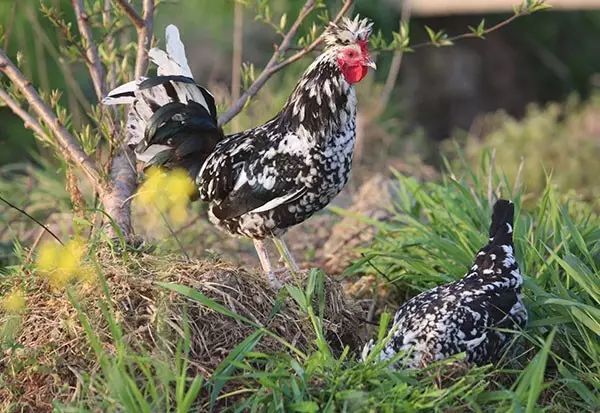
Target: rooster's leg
<point>286,254</point>
<point>263,256</point>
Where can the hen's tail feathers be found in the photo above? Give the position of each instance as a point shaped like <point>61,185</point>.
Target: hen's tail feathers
<point>172,121</point>
<point>501,229</point>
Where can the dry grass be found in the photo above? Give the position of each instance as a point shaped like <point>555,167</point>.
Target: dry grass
<point>53,349</point>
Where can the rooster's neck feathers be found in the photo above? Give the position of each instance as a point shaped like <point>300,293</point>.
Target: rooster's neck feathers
<point>322,102</point>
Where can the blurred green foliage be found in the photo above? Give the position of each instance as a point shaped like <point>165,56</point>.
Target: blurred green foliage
<point>560,51</point>
<point>562,140</point>
<point>561,55</point>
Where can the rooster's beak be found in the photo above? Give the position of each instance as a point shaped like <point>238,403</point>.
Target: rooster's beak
<point>370,63</point>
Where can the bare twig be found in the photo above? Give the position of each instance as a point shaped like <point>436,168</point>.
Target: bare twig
<point>143,26</point>
<point>36,241</point>
<point>392,77</point>
<point>22,211</point>
<point>93,61</point>
<point>303,52</point>
<point>70,79</point>
<point>29,121</point>
<point>366,116</point>
<point>236,61</point>
<point>66,141</point>
<point>110,45</point>
<point>274,64</point>
<point>133,15</point>
<point>144,39</point>
<point>472,35</point>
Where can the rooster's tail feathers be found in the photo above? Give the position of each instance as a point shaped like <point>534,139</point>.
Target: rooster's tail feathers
<point>173,62</point>
<point>172,121</point>
<point>122,95</point>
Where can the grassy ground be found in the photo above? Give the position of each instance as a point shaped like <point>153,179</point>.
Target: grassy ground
<point>141,335</point>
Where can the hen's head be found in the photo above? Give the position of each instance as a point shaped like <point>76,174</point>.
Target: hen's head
<point>348,42</point>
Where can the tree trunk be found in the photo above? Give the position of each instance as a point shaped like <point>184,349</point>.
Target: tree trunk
<point>117,203</point>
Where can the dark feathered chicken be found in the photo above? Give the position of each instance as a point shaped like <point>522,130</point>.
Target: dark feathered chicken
<point>473,315</point>
<point>262,181</point>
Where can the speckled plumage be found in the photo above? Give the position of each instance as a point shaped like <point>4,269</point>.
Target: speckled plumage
<point>261,181</point>
<point>279,174</point>
<point>467,315</point>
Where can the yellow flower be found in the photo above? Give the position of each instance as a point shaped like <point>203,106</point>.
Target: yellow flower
<point>14,302</point>
<point>179,187</point>
<point>167,192</point>
<point>152,190</point>
<point>62,263</point>
<point>178,214</point>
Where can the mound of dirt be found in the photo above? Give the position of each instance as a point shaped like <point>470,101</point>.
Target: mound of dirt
<point>51,349</point>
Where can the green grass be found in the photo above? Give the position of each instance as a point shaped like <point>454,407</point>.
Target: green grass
<point>436,229</point>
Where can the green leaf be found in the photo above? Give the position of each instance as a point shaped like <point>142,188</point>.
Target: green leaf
<point>478,31</point>
<point>305,407</point>
<point>191,395</point>
<point>298,295</point>
<point>282,22</point>
<point>531,381</point>
<point>225,369</point>
<point>433,36</point>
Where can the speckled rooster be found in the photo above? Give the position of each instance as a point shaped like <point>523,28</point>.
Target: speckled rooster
<point>474,315</point>
<point>261,181</point>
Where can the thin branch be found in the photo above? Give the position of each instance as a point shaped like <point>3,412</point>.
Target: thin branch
<point>144,26</point>
<point>144,39</point>
<point>68,75</point>
<point>303,52</point>
<point>236,60</point>
<point>64,138</point>
<point>174,235</point>
<point>109,40</point>
<point>28,121</point>
<point>472,35</point>
<point>392,77</point>
<point>22,211</point>
<point>274,65</point>
<point>135,18</point>
<point>93,61</point>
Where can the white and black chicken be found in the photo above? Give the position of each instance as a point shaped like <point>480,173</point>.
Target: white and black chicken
<point>261,181</point>
<point>474,315</point>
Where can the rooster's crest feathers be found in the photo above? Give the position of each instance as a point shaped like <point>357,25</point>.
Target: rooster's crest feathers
<point>348,31</point>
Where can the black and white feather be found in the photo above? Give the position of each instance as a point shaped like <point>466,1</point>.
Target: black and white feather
<point>264,180</point>
<point>172,121</point>
<point>474,315</point>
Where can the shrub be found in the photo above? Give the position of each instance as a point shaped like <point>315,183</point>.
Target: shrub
<point>560,139</point>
